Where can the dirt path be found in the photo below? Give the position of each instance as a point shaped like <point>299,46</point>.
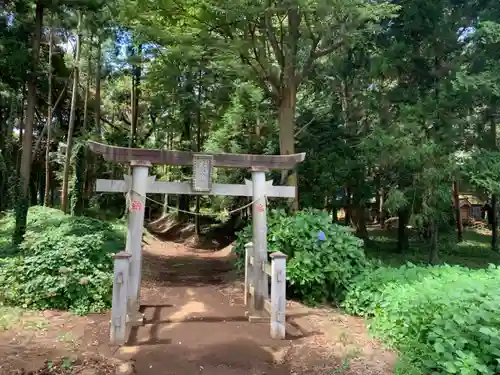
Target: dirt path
<point>195,324</point>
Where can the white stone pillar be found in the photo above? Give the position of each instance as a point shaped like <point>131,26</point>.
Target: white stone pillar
<point>137,203</point>
<point>118,326</point>
<point>278,295</point>
<point>259,221</point>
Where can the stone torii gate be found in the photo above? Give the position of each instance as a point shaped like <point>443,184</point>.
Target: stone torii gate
<point>128,263</point>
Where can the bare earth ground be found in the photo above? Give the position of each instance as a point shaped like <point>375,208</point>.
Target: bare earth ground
<point>195,324</point>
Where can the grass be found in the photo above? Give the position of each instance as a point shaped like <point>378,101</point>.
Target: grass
<point>11,317</point>
<point>474,251</point>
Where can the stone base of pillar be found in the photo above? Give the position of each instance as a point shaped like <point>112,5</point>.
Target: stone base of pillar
<point>253,318</point>
<point>135,319</point>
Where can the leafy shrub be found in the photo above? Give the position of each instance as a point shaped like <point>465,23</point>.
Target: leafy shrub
<point>66,263</point>
<point>322,257</point>
<point>445,319</point>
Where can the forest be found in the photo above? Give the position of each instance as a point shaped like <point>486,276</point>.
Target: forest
<point>394,102</point>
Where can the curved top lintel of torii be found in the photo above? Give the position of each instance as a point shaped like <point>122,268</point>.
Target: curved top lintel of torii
<point>169,157</point>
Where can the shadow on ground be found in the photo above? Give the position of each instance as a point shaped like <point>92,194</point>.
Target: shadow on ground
<point>187,271</point>
<point>155,320</point>
<point>236,356</point>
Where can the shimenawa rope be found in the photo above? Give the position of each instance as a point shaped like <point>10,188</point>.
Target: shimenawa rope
<point>128,202</point>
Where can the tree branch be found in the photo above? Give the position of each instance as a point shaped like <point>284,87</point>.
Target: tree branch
<point>315,54</point>
<point>304,127</point>
<point>124,119</point>
<point>262,77</point>
<point>265,73</point>
<point>114,126</point>
<point>148,134</point>
<point>268,28</point>
<point>326,51</point>
<point>44,129</point>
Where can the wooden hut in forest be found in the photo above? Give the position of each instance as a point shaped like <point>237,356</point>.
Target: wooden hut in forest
<point>471,207</point>
<point>465,210</point>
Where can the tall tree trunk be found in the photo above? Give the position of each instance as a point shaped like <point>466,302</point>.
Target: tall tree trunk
<point>33,188</point>
<point>186,142</point>
<point>86,163</point>
<point>41,186</point>
<point>22,113</point>
<point>433,249</point>
<point>290,81</point>
<point>494,197</point>
<point>335,216</point>
<point>78,192</point>
<point>72,114</point>
<point>7,115</point>
<point>46,194</point>
<point>359,220</point>
<point>403,217</point>
<point>286,121</point>
<point>25,167</point>
<point>381,208</point>
<point>4,139</point>
<point>134,98</point>
<point>97,109</point>
<point>87,91</point>
<point>347,207</point>
<point>166,172</point>
<point>458,216</point>
<point>198,149</point>
<point>133,123</point>
<point>494,222</point>
<point>165,196</point>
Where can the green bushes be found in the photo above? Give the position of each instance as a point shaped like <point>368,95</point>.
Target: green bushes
<point>443,319</point>
<point>322,257</point>
<point>65,263</point>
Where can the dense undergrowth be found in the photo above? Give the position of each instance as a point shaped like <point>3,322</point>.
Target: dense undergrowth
<point>444,318</point>
<point>441,319</point>
<point>65,262</point>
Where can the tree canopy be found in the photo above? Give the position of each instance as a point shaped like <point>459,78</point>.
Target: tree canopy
<point>394,102</point>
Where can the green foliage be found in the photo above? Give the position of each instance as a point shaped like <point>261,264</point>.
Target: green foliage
<point>483,170</point>
<point>322,257</point>
<point>66,263</point>
<point>443,319</point>
<point>21,210</point>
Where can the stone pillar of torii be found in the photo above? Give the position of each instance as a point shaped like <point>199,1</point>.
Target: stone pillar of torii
<point>140,183</point>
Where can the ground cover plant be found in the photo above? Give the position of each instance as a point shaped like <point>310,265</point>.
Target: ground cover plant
<point>65,262</point>
<point>443,319</point>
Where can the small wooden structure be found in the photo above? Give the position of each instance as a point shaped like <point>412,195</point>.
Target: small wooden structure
<point>465,209</point>
<point>475,206</point>
<point>471,207</point>
<point>127,277</point>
